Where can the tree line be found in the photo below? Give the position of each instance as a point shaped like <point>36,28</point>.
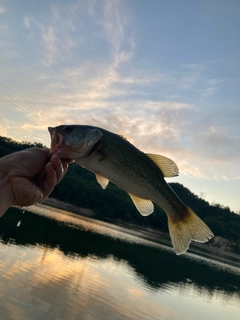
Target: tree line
<point>80,188</point>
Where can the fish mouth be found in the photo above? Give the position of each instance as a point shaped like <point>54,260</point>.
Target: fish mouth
<point>57,141</point>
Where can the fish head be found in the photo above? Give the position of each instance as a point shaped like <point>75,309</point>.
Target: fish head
<point>73,141</point>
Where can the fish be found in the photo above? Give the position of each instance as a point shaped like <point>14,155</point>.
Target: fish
<point>142,175</point>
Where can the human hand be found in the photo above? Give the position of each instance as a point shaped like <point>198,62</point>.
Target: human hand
<point>28,176</point>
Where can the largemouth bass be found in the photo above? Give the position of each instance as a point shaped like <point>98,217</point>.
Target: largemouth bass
<point>113,158</point>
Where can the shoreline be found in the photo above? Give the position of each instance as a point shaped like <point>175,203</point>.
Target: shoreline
<point>217,247</point>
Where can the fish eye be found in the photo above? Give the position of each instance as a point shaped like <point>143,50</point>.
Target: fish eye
<point>68,128</point>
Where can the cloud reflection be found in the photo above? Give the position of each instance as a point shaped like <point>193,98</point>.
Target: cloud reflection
<point>73,268</point>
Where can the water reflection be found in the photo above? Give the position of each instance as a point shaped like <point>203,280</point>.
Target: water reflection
<point>57,268</point>
<point>153,264</point>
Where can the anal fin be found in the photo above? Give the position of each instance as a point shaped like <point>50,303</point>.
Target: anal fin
<point>144,206</point>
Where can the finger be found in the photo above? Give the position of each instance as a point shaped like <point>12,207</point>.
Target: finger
<point>58,167</point>
<point>28,162</point>
<point>50,179</point>
<point>39,153</point>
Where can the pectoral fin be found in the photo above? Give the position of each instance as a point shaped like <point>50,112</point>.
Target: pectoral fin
<point>166,165</point>
<point>145,207</point>
<point>102,180</point>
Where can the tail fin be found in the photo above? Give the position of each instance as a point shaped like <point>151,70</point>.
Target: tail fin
<point>183,231</point>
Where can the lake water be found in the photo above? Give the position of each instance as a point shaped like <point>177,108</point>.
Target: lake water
<point>57,265</point>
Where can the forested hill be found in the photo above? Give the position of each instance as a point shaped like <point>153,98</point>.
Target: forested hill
<point>80,188</point>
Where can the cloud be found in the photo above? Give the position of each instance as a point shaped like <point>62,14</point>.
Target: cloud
<point>2,9</point>
<point>26,22</point>
<point>219,137</point>
<point>115,23</point>
<point>53,39</point>
<point>50,39</point>
<point>98,94</point>
<point>104,87</point>
<point>58,45</point>
<point>64,32</point>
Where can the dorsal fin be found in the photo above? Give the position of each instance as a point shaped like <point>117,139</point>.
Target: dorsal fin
<point>167,166</point>
<point>144,206</point>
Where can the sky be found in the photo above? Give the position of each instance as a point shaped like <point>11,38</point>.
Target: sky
<point>163,73</point>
